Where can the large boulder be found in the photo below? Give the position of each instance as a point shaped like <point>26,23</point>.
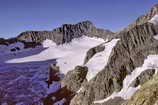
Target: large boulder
<point>75,78</point>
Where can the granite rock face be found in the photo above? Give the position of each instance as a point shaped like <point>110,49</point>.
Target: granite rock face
<point>91,52</point>
<point>147,95</point>
<point>143,77</point>
<point>144,18</point>
<point>75,78</point>
<point>131,50</point>
<point>65,33</point>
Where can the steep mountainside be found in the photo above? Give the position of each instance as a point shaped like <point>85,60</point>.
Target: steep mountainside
<point>147,95</point>
<point>133,47</point>
<point>144,18</point>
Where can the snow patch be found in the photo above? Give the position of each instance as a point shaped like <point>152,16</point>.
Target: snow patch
<point>156,37</point>
<point>48,43</point>
<point>100,60</point>
<point>31,66</point>
<point>126,92</point>
<point>154,20</point>
<point>67,55</point>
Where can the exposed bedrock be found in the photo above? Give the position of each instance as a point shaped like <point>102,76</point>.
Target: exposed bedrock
<point>75,79</point>
<point>144,18</point>
<point>147,95</point>
<point>91,52</point>
<point>66,33</point>
<point>143,77</point>
<point>131,50</point>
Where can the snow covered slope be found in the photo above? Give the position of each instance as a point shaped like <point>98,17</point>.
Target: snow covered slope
<point>23,73</point>
<point>127,91</point>
<point>67,55</point>
<point>154,20</point>
<point>100,60</point>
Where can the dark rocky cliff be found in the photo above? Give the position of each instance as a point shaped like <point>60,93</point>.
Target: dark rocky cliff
<point>144,18</point>
<point>134,46</point>
<point>65,33</point>
<point>147,95</point>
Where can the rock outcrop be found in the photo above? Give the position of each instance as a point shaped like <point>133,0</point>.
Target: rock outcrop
<point>75,79</point>
<point>65,33</point>
<point>144,18</point>
<point>134,46</point>
<point>71,83</point>
<point>143,77</point>
<point>147,95</point>
<point>8,41</point>
<point>92,52</point>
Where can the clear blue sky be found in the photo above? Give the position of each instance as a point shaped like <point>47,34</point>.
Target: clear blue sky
<point>17,16</point>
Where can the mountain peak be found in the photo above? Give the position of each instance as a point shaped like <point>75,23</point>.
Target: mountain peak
<point>87,22</point>
<point>144,18</point>
<point>65,33</point>
<point>84,23</point>
<point>155,6</point>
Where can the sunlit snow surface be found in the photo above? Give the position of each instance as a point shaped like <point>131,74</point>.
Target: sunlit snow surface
<point>127,91</point>
<point>67,55</point>
<point>156,37</point>
<point>154,20</point>
<point>100,60</point>
<point>23,73</point>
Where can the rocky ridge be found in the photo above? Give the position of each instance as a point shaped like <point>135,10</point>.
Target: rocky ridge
<point>134,46</point>
<point>144,18</point>
<point>65,33</point>
<point>147,95</point>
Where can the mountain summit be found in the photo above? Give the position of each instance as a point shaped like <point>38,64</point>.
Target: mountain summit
<point>65,33</point>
